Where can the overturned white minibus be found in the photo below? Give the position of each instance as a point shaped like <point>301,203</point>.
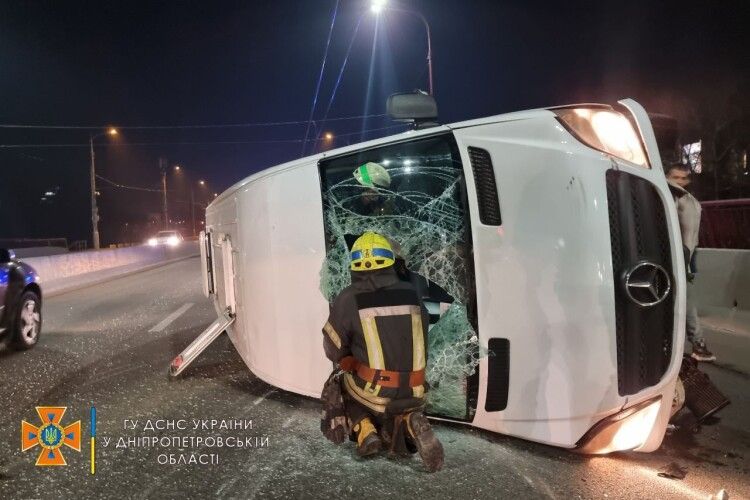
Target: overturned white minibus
<point>544,244</point>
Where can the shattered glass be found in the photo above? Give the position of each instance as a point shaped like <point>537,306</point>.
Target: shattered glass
<point>422,214</point>
<point>453,354</point>
<point>427,232</point>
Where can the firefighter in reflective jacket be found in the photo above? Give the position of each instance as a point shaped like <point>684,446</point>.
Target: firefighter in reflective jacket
<point>377,333</point>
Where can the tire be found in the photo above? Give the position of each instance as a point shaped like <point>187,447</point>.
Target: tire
<point>28,324</point>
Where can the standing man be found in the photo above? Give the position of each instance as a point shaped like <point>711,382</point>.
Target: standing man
<point>377,333</point>
<point>689,214</point>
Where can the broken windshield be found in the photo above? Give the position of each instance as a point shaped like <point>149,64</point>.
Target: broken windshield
<point>412,193</point>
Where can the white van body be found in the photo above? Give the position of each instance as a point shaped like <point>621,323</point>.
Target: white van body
<point>546,280</point>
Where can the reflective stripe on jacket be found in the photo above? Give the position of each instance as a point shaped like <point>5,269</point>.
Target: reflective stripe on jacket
<point>380,321</point>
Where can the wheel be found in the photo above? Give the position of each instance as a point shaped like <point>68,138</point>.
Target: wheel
<point>28,321</point>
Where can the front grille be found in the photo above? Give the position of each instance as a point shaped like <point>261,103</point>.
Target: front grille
<point>638,234</point>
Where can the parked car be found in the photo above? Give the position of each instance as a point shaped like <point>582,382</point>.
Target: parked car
<point>20,302</point>
<point>169,238</point>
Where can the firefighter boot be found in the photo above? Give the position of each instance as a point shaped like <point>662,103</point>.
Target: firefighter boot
<point>428,446</point>
<point>368,441</point>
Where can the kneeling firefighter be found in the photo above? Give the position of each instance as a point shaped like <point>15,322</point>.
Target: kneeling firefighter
<point>377,333</point>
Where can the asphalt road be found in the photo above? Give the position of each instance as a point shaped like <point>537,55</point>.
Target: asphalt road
<point>100,348</point>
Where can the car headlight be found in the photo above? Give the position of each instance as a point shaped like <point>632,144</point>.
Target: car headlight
<point>152,242</point>
<point>626,430</point>
<point>172,241</point>
<point>606,130</point>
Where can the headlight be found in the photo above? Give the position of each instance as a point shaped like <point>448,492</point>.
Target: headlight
<point>626,430</point>
<point>605,130</point>
<point>152,242</point>
<point>172,241</point>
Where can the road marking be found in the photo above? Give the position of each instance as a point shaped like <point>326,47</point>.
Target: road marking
<point>166,321</point>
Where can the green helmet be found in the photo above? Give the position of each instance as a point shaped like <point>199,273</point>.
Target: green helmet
<point>372,174</point>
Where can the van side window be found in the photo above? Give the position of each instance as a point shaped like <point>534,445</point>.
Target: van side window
<point>412,192</point>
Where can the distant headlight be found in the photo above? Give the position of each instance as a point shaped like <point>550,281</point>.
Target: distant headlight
<point>152,242</point>
<point>626,430</point>
<point>605,130</point>
<point>172,241</point>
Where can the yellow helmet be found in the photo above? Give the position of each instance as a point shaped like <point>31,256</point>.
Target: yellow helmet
<point>371,251</point>
<point>372,174</point>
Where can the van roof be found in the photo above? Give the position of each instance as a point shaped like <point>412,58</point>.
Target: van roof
<point>517,115</point>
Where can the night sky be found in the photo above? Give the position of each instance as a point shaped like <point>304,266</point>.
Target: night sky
<point>129,63</point>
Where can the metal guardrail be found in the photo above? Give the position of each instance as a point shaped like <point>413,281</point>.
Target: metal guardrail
<point>725,224</point>
<point>33,242</point>
<point>78,246</point>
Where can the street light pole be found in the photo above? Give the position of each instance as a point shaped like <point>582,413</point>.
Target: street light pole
<point>429,42</point>
<point>429,53</point>
<point>94,209</point>
<point>92,174</point>
<point>192,206</point>
<point>191,182</point>
<point>163,167</point>
<point>379,5</point>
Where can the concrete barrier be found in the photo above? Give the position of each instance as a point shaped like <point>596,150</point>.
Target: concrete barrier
<point>722,288</point>
<point>62,273</point>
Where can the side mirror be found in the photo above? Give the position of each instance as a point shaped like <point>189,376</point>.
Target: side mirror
<point>416,107</point>
<point>6,255</point>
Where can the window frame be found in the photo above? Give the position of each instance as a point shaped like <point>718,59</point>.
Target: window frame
<point>472,381</point>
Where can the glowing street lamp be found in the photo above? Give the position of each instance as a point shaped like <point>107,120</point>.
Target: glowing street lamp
<point>377,6</point>
<point>325,141</point>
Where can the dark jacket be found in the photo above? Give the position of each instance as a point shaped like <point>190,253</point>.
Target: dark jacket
<point>396,322</point>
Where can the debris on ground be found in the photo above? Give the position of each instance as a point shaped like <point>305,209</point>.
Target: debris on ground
<point>721,495</point>
<point>672,470</point>
<point>702,397</point>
